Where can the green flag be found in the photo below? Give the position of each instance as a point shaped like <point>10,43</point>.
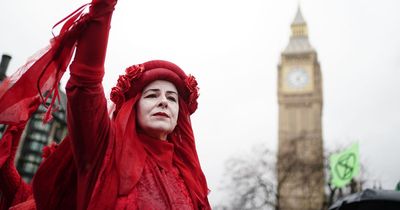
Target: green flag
<point>345,165</point>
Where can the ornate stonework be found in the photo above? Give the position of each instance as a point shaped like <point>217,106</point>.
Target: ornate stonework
<point>300,148</point>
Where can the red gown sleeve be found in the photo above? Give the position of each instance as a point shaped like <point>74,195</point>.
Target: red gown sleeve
<point>88,120</point>
<point>13,189</point>
<point>89,125</point>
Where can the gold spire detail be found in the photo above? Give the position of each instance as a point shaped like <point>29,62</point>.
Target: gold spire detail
<point>299,26</point>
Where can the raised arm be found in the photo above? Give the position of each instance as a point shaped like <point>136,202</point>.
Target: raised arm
<point>88,121</point>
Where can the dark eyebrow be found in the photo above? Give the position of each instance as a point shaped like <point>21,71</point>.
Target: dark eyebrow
<point>170,91</point>
<point>154,89</point>
<point>157,90</point>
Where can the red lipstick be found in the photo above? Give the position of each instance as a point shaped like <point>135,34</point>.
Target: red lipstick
<point>161,114</point>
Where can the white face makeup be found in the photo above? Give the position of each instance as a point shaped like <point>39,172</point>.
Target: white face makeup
<point>158,109</point>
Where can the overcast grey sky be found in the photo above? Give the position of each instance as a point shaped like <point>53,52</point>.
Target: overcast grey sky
<point>233,48</point>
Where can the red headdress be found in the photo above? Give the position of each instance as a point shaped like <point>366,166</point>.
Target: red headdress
<point>138,76</point>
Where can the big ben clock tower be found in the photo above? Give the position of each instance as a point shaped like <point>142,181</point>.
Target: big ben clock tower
<point>300,147</point>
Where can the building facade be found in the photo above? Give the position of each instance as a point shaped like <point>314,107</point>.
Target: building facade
<point>300,145</point>
<point>36,134</point>
<point>5,60</point>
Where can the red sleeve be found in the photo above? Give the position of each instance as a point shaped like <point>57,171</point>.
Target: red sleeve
<point>88,120</point>
<point>13,189</point>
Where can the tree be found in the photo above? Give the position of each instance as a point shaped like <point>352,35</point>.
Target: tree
<point>251,181</point>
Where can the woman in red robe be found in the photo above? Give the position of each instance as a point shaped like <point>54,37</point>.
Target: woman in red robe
<point>144,157</point>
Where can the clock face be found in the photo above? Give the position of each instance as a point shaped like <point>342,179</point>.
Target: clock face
<point>297,78</point>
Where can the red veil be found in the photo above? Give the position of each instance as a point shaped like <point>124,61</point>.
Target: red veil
<point>20,96</point>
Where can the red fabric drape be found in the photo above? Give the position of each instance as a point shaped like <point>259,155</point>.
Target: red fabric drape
<point>13,189</point>
<point>41,75</point>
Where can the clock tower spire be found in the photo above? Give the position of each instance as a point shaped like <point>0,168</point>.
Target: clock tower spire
<point>300,146</point>
<point>299,26</point>
<point>299,42</point>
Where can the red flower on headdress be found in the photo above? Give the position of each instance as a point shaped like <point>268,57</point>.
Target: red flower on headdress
<point>191,84</point>
<point>134,71</point>
<point>117,96</point>
<point>123,83</point>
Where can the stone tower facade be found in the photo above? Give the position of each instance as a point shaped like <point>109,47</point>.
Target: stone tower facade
<point>300,147</point>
